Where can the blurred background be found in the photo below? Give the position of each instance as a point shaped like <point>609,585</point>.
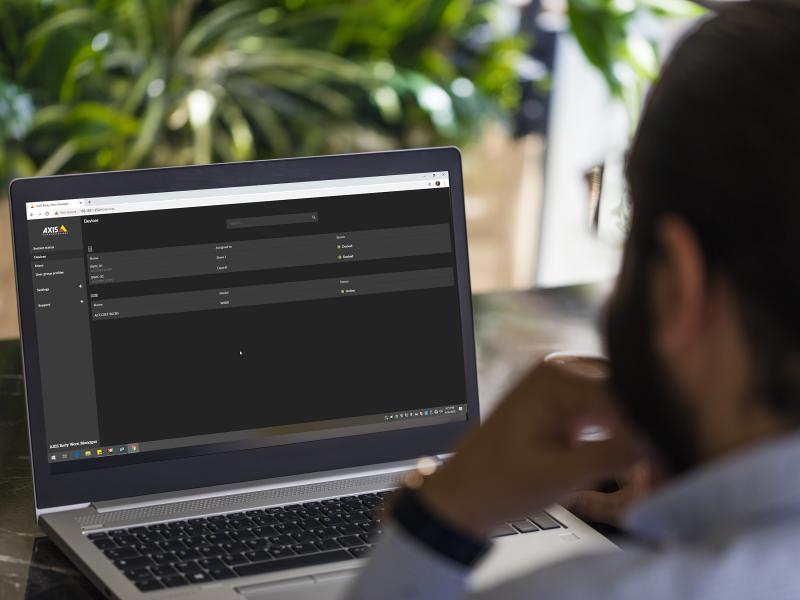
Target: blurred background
<point>541,95</point>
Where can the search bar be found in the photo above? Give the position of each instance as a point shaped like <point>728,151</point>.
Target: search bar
<point>270,220</point>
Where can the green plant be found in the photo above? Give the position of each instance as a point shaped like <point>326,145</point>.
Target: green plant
<point>626,57</point>
<point>95,85</point>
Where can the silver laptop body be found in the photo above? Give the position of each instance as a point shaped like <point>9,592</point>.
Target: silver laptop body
<point>228,367</point>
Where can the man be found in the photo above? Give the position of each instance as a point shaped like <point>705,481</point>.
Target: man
<point>703,335</point>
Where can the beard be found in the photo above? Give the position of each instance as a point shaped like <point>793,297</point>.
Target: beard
<point>647,394</point>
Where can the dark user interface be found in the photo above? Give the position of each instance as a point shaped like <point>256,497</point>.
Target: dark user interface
<point>248,324</point>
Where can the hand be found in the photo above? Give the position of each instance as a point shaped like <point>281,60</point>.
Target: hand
<point>527,455</point>
<point>610,507</point>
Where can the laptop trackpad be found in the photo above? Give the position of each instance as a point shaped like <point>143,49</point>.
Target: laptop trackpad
<point>327,586</point>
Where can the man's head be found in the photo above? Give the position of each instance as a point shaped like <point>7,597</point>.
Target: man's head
<point>704,330</point>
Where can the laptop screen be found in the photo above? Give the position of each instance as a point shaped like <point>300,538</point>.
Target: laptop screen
<point>183,323</point>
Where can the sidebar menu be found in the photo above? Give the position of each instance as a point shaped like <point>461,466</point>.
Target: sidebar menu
<point>62,324</point>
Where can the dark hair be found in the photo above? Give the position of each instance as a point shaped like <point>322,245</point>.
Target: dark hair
<point>719,146</point>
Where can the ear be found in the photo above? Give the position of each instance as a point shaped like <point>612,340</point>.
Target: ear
<point>680,293</point>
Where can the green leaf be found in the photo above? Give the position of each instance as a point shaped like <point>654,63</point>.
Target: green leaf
<point>147,135</point>
<point>16,111</point>
<point>241,137</point>
<point>62,25</point>
<point>56,161</point>
<point>673,8</point>
<point>215,24</point>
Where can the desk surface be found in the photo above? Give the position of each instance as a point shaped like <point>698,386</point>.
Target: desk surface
<point>512,330</point>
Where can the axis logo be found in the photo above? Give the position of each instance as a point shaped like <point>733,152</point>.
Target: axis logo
<point>55,230</point>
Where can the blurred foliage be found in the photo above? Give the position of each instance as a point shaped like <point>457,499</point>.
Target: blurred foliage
<point>625,56</point>
<point>106,84</point>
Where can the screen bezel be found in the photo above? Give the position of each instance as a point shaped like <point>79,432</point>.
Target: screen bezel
<point>245,465</point>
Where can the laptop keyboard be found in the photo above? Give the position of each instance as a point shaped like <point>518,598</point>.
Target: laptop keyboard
<point>255,542</point>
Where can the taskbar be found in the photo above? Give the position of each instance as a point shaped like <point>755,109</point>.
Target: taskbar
<point>276,435</point>
<point>94,452</point>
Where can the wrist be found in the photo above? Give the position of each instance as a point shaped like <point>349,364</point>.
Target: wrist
<point>416,518</point>
<point>454,509</point>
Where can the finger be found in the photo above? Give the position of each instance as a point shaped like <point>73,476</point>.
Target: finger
<point>590,401</point>
<point>608,457</point>
<point>640,480</point>
<point>561,394</point>
<point>594,367</point>
<point>598,506</point>
<point>582,399</point>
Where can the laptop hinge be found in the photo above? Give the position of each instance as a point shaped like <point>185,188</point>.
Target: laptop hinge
<point>55,509</point>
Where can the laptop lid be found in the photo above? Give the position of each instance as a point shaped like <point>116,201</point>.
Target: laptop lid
<point>194,326</point>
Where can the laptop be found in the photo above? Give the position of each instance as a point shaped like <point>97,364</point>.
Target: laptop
<point>229,367</point>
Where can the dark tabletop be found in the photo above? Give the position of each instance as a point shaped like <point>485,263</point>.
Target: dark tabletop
<point>513,329</point>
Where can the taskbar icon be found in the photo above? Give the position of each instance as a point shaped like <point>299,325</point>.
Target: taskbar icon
<point>94,452</point>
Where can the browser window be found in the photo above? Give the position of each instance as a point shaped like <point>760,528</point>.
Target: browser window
<point>181,323</point>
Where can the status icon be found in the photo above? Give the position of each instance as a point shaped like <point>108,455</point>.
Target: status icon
<point>99,452</point>
<point>87,453</point>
